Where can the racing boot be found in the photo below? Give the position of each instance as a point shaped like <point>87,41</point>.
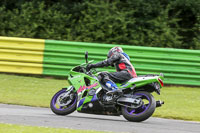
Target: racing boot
<point>113,88</point>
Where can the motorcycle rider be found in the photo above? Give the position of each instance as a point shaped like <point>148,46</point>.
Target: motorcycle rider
<point>121,61</point>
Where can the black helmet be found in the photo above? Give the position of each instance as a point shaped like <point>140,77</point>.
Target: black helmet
<point>114,50</point>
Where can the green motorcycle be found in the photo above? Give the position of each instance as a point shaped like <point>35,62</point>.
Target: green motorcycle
<point>87,94</point>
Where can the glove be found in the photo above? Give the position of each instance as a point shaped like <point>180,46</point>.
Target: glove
<point>89,66</point>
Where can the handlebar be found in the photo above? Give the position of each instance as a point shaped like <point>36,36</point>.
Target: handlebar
<point>82,68</point>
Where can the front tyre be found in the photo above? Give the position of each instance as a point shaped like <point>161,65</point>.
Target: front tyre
<point>63,102</point>
<point>144,111</point>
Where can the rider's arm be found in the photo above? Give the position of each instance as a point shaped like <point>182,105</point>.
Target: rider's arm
<point>107,62</point>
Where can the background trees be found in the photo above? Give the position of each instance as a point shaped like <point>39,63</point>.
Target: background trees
<point>160,23</point>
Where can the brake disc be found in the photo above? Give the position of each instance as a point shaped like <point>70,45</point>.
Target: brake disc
<point>63,100</point>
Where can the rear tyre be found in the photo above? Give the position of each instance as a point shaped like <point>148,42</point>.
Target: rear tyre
<point>63,106</point>
<point>143,112</point>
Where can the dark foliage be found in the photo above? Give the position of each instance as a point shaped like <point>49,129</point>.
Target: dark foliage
<point>159,23</point>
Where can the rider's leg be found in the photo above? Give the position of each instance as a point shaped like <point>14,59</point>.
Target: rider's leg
<point>105,79</point>
<point>109,79</point>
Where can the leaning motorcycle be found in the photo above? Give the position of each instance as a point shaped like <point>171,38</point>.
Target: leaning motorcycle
<point>87,94</point>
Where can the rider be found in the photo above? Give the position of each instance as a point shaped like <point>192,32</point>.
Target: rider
<point>125,71</point>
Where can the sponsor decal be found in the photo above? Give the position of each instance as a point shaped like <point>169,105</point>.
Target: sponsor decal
<point>86,87</point>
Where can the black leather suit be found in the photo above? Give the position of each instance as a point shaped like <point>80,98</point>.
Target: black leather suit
<point>124,68</point>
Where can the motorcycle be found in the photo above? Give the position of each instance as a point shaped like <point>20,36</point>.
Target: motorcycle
<point>87,94</point>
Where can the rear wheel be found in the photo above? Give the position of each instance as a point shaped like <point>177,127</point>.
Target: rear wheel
<point>63,102</point>
<point>144,111</point>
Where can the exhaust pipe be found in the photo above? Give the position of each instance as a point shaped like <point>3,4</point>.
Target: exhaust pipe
<point>159,103</point>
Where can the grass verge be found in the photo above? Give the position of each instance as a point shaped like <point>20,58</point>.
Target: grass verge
<point>10,128</point>
<point>180,102</point>
<point>29,91</point>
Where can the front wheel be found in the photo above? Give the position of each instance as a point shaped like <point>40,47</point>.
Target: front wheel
<point>144,111</point>
<point>63,102</point>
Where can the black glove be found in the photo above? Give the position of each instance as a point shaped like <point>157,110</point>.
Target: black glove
<point>89,66</point>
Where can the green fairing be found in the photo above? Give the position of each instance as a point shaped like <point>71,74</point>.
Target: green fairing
<point>144,82</point>
<point>78,81</point>
<point>87,100</point>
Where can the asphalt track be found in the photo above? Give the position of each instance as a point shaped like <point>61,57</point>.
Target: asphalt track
<point>35,116</point>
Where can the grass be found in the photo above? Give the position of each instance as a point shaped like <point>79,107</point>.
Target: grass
<point>180,102</point>
<point>29,91</point>
<point>10,128</point>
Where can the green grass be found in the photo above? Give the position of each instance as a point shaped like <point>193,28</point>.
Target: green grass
<point>31,91</point>
<point>10,128</point>
<point>180,102</point>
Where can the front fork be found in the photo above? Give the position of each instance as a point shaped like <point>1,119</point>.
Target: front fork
<point>69,93</point>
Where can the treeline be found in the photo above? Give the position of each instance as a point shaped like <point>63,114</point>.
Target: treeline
<point>160,23</point>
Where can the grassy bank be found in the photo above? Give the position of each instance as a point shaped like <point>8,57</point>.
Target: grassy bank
<point>10,128</point>
<point>180,102</point>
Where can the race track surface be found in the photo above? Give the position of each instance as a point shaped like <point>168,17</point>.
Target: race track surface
<point>44,117</point>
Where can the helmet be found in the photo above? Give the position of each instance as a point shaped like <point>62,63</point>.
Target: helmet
<point>114,50</point>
